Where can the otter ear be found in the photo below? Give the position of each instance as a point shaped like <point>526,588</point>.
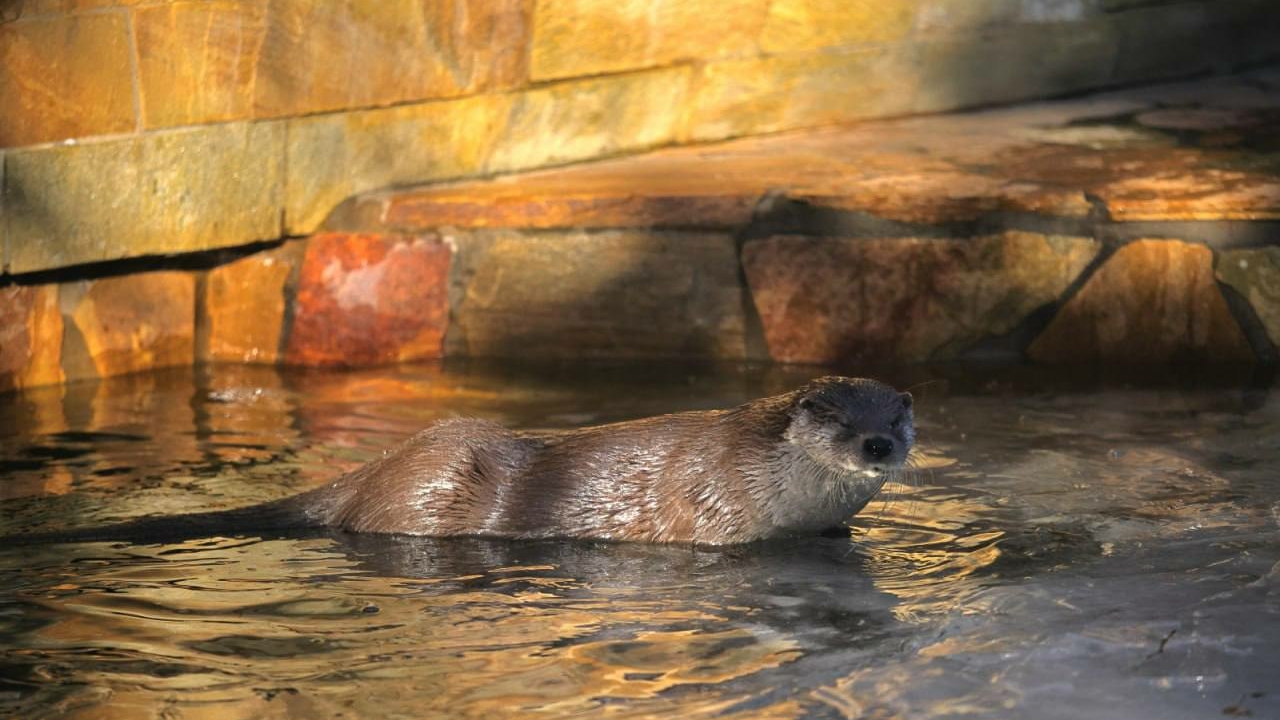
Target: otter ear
<point>906,400</point>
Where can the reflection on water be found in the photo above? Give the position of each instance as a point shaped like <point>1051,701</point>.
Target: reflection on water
<point>1066,549</point>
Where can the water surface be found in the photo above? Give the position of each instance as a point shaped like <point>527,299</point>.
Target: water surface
<point>1071,548</point>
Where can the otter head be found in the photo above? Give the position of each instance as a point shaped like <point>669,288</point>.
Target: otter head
<point>852,426</point>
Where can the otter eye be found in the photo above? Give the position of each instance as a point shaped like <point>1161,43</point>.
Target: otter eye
<point>897,422</point>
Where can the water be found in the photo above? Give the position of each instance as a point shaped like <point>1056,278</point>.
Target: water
<point>1071,548</point>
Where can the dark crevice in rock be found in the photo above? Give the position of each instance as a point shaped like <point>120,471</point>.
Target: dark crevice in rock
<point>469,250</point>
<point>755,345</point>
<point>290,304</point>
<point>998,222</point>
<point>200,319</point>
<point>1218,234</point>
<point>203,260</point>
<point>1014,343</point>
<point>784,216</point>
<point>1250,324</point>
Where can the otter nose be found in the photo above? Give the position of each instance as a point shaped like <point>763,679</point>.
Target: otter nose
<point>878,447</point>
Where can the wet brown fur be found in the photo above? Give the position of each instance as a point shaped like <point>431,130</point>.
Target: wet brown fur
<point>710,477</point>
<point>789,464</point>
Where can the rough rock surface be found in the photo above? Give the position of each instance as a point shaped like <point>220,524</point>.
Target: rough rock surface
<point>1154,301</point>
<point>823,300</point>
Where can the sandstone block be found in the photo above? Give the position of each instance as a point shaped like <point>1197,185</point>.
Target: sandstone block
<point>133,322</point>
<point>64,77</point>
<point>585,37</point>
<point>30,336</point>
<point>954,16</point>
<point>1035,60</point>
<point>1154,301</point>
<point>49,7</point>
<point>1142,55</point>
<point>369,299</point>
<point>794,25</point>
<point>332,157</point>
<point>4,222</point>
<point>404,50</point>
<point>161,193</point>
<point>942,196</point>
<point>198,61</point>
<point>600,199</point>
<point>756,95</point>
<point>244,306</point>
<point>824,300</point>
<point>598,294</point>
<point>1255,274</point>
<point>590,118</point>
<point>1194,37</point>
<point>1200,192</point>
<point>202,62</point>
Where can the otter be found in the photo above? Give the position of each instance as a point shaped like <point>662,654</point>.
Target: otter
<point>797,463</point>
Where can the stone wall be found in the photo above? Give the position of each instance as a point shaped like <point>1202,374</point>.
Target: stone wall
<point>1135,227</point>
<point>148,127</point>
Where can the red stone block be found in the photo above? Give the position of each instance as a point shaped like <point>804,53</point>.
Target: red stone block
<point>370,299</point>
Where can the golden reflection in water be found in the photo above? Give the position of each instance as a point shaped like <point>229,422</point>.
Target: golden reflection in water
<point>244,629</point>
<point>36,411</point>
<point>921,545</point>
<point>247,413</point>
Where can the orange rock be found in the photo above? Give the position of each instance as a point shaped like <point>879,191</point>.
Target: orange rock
<point>587,118</point>
<point>197,62</point>
<point>244,306</point>
<point>1154,301</point>
<point>332,157</point>
<point>942,197</point>
<point>812,24</point>
<point>137,322</point>
<point>586,37</point>
<point>824,300</point>
<point>64,77</point>
<point>1202,193</point>
<point>746,96</point>
<point>591,205</point>
<point>404,50</point>
<point>208,62</point>
<point>1153,182</point>
<point>30,337</point>
<point>370,299</point>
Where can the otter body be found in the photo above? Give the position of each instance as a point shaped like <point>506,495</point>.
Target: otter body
<point>796,463</point>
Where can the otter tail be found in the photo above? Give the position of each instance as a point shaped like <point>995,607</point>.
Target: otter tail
<point>277,516</point>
